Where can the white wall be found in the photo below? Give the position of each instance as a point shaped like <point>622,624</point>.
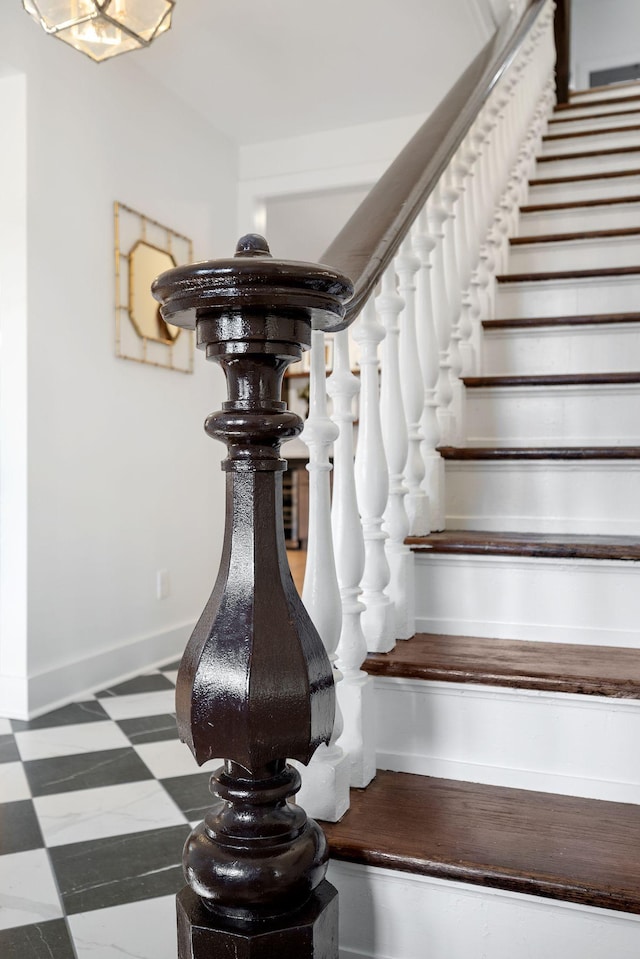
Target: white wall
<point>603,35</point>
<point>122,480</point>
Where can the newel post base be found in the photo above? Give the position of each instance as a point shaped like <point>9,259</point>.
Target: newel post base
<point>311,933</point>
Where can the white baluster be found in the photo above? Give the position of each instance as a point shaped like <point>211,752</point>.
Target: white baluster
<point>424,244</point>
<point>407,265</point>
<point>436,215</point>
<point>355,692</point>
<point>325,781</point>
<point>372,485</point>
<point>394,432</point>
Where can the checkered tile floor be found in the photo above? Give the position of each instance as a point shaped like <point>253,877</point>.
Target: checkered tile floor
<point>96,799</point>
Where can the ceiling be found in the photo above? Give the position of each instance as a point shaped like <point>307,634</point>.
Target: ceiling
<point>266,69</point>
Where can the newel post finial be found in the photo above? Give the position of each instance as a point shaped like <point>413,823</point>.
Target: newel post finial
<point>255,686</point>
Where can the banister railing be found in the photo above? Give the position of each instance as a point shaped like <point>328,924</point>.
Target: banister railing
<point>257,685</point>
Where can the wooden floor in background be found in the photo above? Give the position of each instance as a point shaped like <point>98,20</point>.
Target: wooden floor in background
<point>297,562</point>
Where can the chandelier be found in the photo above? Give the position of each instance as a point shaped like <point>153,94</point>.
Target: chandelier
<point>103,28</point>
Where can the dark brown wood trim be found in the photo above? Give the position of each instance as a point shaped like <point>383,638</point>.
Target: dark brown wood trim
<point>559,847</point>
<point>581,177</point>
<point>599,131</point>
<point>578,235</point>
<point>533,321</point>
<point>552,379</point>
<point>562,36</point>
<point>560,107</point>
<point>586,154</point>
<point>578,204</point>
<point>509,453</point>
<point>515,664</point>
<point>568,274</point>
<point>559,546</point>
<point>369,240</point>
<point>594,116</point>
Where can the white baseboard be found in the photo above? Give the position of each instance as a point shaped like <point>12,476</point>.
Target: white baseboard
<point>25,698</point>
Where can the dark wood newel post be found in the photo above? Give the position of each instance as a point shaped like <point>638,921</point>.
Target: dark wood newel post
<point>562,32</point>
<point>255,686</point>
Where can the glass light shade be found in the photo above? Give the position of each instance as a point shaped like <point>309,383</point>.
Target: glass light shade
<point>103,28</point>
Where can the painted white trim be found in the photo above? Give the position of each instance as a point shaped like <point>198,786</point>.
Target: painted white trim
<point>71,681</point>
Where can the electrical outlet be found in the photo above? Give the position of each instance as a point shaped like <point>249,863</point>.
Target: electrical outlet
<point>162,583</point>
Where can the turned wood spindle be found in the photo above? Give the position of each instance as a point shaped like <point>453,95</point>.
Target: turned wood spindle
<point>255,684</point>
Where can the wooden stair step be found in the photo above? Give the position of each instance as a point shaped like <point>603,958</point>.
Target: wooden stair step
<point>517,664</point>
<point>578,204</point>
<point>595,116</point>
<point>558,847</point>
<point>586,104</point>
<point>603,131</point>
<point>550,545</point>
<point>603,88</point>
<point>551,379</point>
<point>568,274</point>
<point>581,177</point>
<point>509,453</point>
<point>576,235</point>
<point>586,154</point>
<point>528,322</point>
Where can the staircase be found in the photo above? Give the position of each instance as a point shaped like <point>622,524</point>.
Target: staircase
<point>504,821</point>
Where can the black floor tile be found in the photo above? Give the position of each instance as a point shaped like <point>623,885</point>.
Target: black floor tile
<point>61,774</point>
<point>87,712</point>
<point>8,750</point>
<point>108,872</point>
<point>149,729</point>
<point>42,940</point>
<point>19,828</point>
<point>139,684</point>
<point>191,794</point>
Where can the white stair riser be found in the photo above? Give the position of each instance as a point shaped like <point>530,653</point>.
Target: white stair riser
<point>580,166</point>
<point>604,348</point>
<point>595,602</point>
<point>615,217</point>
<point>570,297</point>
<point>596,123</point>
<point>548,496</point>
<point>590,415</point>
<point>584,189</point>
<point>593,141</point>
<point>574,254</point>
<point>630,89</point>
<point>550,742</point>
<point>398,915</point>
<point>589,106</point>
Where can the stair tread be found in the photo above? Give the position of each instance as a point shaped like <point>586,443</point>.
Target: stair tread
<point>561,107</point>
<point>575,320</point>
<point>586,154</point>
<point>599,131</point>
<point>567,274</point>
<point>558,545</point>
<point>499,453</point>
<point>603,88</point>
<point>596,116</point>
<point>552,379</point>
<point>520,664</point>
<point>575,235</point>
<point>558,847</point>
<point>577,204</point>
<point>581,177</point>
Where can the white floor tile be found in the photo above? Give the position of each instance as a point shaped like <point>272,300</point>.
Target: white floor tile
<point>67,740</point>
<point>173,675</point>
<point>141,704</point>
<point>27,889</point>
<point>142,930</point>
<point>107,811</point>
<point>5,726</point>
<point>13,783</point>
<point>171,758</point>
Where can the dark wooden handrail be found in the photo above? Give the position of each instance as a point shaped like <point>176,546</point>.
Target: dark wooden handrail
<point>367,243</point>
